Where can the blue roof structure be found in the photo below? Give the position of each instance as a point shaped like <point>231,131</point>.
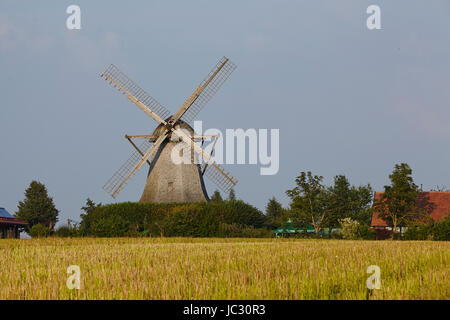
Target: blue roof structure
<point>5,214</point>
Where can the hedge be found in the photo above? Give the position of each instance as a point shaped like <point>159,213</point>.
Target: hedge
<point>439,231</point>
<point>212,219</point>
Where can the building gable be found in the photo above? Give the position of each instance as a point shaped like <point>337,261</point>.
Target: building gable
<point>435,203</point>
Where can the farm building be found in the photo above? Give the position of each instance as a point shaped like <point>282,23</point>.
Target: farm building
<point>435,203</point>
<point>9,226</point>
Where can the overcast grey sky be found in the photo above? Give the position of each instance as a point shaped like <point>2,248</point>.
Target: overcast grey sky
<point>347,100</point>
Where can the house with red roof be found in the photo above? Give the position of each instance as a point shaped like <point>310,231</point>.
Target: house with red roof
<point>436,204</point>
<point>10,226</point>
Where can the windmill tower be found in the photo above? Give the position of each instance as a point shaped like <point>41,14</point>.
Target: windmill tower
<point>169,180</point>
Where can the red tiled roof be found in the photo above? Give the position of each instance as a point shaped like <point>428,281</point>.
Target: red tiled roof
<point>435,203</point>
<point>13,221</point>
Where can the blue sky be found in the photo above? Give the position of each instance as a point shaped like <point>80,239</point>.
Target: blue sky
<point>347,100</point>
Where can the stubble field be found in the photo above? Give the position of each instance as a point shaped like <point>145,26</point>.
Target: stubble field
<point>186,268</point>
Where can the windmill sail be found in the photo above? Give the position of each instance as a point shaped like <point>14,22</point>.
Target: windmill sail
<point>223,69</point>
<point>213,170</point>
<point>219,177</point>
<point>114,185</point>
<point>170,188</point>
<point>114,75</point>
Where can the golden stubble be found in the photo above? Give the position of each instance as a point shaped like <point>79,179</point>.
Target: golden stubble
<point>194,268</point>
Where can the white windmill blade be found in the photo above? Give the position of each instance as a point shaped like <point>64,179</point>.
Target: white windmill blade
<point>205,91</point>
<point>136,94</point>
<point>132,165</point>
<point>214,171</point>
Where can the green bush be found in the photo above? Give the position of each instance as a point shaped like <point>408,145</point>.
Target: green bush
<point>349,228</point>
<point>39,231</point>
<point>353,230</point>
<point>417,232</point>
<point>63,232</point>
<point>336,234</point>
<point>173,219</point>
<point>439,231</point>
<point>366,233</point>
<point>110,226</point>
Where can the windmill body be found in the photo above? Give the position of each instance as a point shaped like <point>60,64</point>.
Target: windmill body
<point>173,182</point>
<point>168,180</point>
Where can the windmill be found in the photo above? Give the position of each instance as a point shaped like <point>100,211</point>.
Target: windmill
<point>168,181</point>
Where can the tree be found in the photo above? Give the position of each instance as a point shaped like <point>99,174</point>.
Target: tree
<point>37,208</point>
<point>216,197</point>
<point>308,201</point>
<point>232,195</point>
<point>346,201</point>
<point>361,205</point>
<point>85,221</point>
<point>90,206</point>
<point>398,202</point>
<point>338,202</point>
<point>275,214</point>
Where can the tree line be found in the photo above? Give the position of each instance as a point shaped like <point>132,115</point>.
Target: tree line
<point>344,210</point>
<point>349,208</point>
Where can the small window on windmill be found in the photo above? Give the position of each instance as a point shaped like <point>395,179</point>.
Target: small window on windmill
<point>170,186</point>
